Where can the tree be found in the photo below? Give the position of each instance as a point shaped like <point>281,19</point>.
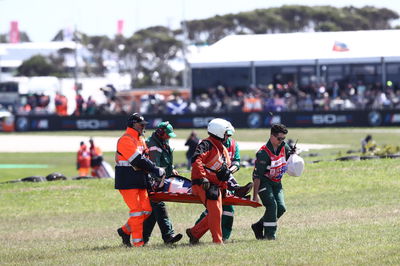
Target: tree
<point>3,38</point>
<point>39,65</point>
<point>290,18</point>
<point>148,52</point>
<point>23,36</point>
<point>98,45</point>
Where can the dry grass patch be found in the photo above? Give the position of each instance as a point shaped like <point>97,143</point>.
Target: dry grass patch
<point>54,188</point>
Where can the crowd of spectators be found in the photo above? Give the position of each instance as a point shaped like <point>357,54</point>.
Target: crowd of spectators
<point>40,104</point>
<point>278,98</point>
<point>270,98</point>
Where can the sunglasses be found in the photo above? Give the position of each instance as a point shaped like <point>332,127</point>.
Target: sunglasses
<point>279,138</point>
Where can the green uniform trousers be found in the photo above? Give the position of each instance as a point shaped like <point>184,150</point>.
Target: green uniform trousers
<point>159,215</point>
<point>272,197</point>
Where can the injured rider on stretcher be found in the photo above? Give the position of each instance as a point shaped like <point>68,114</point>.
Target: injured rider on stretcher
<point>180,184</point>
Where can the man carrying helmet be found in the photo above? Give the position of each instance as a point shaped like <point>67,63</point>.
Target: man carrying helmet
<point>270,165</point>
<point>131,179</point>
<point>210,173</point>
<point>161,154</point>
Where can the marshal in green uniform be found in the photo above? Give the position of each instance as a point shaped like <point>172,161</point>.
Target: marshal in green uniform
<point>162,155</point>
<point>268,171</point>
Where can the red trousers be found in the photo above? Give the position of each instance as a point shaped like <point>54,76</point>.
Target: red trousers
<point>212,221</point>
<point>139,209</point>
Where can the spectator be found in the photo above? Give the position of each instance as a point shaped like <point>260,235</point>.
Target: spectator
<point>91,107</point>
<point>203,103</point>
<point>79,105</point>
<point>109,91</point>
<point>252,103</point>
<point>191,142</point>
<point>177,106</point>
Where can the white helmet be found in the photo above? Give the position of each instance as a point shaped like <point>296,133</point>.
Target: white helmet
<point>218,127</point>
<point>295,165</point>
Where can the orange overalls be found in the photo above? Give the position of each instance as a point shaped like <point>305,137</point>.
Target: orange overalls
<point>83,160</point>
<point>205,166</point>
<point>132,182</point>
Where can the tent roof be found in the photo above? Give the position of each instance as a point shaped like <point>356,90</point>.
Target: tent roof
<point>13,54</point>
<point>301,48</point>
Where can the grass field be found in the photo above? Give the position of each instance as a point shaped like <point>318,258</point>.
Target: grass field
<point>339,213</point>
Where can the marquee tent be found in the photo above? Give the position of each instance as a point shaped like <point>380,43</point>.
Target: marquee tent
<point>303,48</point>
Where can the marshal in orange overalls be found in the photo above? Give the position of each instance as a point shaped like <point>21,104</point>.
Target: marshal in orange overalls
<point>213,156</point>
<point>83,160</point>
<point>131,179</point>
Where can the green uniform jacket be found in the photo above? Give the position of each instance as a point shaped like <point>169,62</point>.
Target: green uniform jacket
<point>235,156</point>
<point>160,153</point>
<point>263,160</point>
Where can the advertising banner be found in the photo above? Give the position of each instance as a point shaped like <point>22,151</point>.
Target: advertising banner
<point>239,120</point>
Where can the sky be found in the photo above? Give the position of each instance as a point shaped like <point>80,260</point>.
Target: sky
<point>42,19</point>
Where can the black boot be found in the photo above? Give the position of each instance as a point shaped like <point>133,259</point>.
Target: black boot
<point>258,230</point>
<point>192,240</point>
<point>126,239</point>
<point>173,239</point>
<point>241,192</point>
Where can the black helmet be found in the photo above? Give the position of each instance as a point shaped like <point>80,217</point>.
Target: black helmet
<point>55,176</point>
<point>135,118</point>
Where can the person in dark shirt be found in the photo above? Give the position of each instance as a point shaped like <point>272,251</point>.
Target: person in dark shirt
<point>191,142</point>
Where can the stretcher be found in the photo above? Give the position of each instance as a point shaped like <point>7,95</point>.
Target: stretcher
<point>190,198</point>
<point>104,170</point>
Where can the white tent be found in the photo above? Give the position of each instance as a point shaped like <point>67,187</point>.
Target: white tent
<point>301,49</point>
<point>2,51</point>
<point>16,53</point>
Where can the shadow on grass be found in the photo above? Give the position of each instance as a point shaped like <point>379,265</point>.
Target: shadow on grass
<point>104,248</point>
<point>158,246</point>
<point>161,246</point>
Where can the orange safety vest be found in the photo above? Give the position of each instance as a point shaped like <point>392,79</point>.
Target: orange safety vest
<point>129,146</point>
<point>210,162</point>
<point>95,151</point>
<point>83,157</point>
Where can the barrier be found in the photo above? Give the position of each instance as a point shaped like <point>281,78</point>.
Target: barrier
<point>239,120</point>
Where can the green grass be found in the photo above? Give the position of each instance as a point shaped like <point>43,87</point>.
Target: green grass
<point>339,213</point>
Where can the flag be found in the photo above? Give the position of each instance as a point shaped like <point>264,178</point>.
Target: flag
<point>340,47</point>
<point>14,32</point>
<point>120,27</point>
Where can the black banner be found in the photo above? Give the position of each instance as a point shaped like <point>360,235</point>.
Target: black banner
<point>239,120</point>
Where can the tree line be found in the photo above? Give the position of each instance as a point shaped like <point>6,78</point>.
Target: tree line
<point>148,53</point>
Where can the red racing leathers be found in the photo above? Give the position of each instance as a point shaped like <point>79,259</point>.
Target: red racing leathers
<point>209,158</point>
